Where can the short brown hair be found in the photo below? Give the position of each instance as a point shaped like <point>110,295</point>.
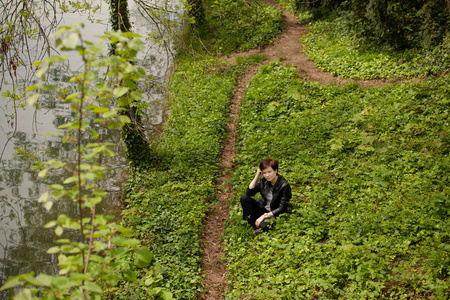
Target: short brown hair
<point>268,162</point>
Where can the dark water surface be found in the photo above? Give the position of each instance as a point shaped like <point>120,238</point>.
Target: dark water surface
<point>23,240</point>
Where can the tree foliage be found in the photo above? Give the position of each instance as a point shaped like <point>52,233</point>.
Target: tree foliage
<point>400,24</point>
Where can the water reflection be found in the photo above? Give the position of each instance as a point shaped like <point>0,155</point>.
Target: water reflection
<point>23,240</point>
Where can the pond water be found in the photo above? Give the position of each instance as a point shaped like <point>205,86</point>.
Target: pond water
<point>23,240</point>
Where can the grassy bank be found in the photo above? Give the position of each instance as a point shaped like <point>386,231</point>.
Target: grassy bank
<point>370,174</point>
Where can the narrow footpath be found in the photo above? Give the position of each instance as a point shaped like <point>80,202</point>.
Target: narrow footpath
<point>213,264</point>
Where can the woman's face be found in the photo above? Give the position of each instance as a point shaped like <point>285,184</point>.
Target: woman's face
<point>269,174</point>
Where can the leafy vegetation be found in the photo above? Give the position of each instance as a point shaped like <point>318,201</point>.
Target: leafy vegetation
<point>168,194</point>
<point>337,49</point>
<point>370,210</point>
<point>356,39</point>
<point>238,25</point>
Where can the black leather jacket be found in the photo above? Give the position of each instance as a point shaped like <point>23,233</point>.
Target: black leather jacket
<point>281,194</point>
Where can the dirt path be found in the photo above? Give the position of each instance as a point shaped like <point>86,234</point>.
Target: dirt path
<point>213,265</point>
<point>288,47</point>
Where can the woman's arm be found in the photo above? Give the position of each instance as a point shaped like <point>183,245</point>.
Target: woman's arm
<point>252,184</point>
<point>262,218</point>
<point>286,195</point>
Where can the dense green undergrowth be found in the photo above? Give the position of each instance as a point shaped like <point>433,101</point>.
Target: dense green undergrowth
<point>370,175</point>
<point>336,49</point>
<point>238,25</point>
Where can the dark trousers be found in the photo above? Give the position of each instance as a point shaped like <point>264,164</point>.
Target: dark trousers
<point>252,211</point>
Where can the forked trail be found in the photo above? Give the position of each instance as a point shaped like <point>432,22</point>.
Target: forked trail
<point>288,46</point>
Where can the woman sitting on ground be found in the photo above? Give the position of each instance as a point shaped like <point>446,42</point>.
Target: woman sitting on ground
<point>275,194</point>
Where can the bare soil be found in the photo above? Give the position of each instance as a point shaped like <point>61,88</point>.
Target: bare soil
<point>287,47</point>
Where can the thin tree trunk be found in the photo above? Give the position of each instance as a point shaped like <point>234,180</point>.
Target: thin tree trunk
<point>137,147</point>
<point>120,16</point>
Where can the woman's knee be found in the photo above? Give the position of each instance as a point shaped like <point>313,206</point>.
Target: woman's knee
<point>245,199</point>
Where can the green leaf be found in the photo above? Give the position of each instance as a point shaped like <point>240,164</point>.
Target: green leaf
<point>57,194</point>
<point>71,97</point>
<point>57,164</point>
<point>131,84</point>
<point>10,283</point>
<point>111,279</point>
<point>71,179</point>
<point>48,205</point>
<point>49,87</point>
<point>33,87</point>
<point>143,257</point>
<point>32,99</point>
<point>137,45</point>
<point>100,109</point>
<point>136,95</point>
<point>80,277</point>
<point>42,280</point>
<point>63,241</point>
<point>64,126</point>
<point>109,114</point>
<point>44,197</point>
<point>92,287</point>
<point>50,224</point>
<point>130,275</point>
<point>43,173</point>
<point>53,250</point>
<point>120,91</point>
<point>140,72</point>
<point>59,231</point>
<point>41,71</point>
<point>118,252</point>
<point>124,101</point>
<point>130,34</point>
<point>63,283</point>
<point>71,41</point>
<point>165,294</point>
<point>124,119</point>
<point>120,241</point>
<point>24,294</point>
<point>57,187</point>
